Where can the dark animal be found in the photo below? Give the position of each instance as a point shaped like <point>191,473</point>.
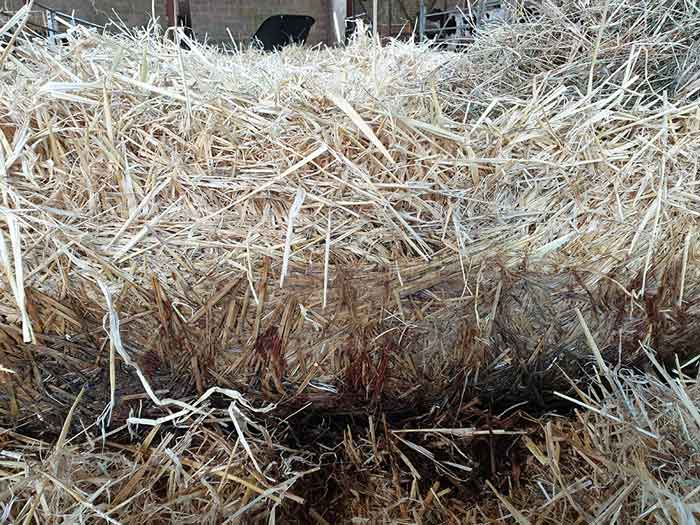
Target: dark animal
<point>282,30</point>
<point>440,24</point>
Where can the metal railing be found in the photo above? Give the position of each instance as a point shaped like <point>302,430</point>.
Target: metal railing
<point>465,20</point>
<point>54,18</point>
<point>56,22</point>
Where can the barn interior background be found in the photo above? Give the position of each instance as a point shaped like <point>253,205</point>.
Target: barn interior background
<point>220,21</point>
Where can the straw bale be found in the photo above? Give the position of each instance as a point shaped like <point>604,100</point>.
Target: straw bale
<point>359,277</point>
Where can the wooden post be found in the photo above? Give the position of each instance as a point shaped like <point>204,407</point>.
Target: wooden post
<point>391,20</point>
<point>170,12</point>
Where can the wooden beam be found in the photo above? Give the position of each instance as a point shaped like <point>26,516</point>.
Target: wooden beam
<point>170,12</point>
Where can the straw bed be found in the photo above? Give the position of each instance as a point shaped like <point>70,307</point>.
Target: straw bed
<point>382,283</point>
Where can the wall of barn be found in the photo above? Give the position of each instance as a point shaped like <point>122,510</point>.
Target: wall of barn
<point>210,18</point>
<point>243,17</point>
<point>132,12</point>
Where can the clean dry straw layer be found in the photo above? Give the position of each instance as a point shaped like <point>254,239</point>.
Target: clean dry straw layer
<point>208,237</point>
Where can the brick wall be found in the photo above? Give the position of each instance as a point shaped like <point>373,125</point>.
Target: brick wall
<point>243,17</point>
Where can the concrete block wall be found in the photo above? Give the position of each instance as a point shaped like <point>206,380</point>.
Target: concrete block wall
<point>132,12</point>
<point>243,17</point>
<point>210,18</point>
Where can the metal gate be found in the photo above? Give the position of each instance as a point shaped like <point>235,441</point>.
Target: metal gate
<point>446,22</point>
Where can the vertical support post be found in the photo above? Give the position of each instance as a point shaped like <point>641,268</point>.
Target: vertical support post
<point>375,27</point>
<point>170,12</point>
<point>184,18</point>
<point>52,24</point>
<point>480,13</point>
<point>421,20</point>
<point>339,13</point>
<point>391,19</point>
<point>349,20</point>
